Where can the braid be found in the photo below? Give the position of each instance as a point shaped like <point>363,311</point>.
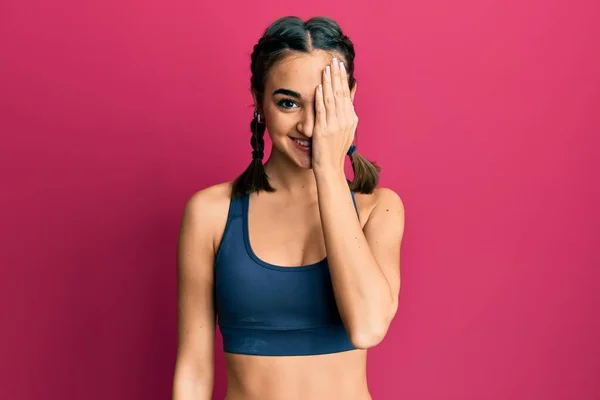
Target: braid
<point>366,174</point>
<point>257,140</point>
<point>254,178</point>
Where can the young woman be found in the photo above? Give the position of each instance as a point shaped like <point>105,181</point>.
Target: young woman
<point>300,266</point>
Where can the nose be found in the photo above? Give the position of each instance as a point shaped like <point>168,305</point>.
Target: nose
<point>307,122</point>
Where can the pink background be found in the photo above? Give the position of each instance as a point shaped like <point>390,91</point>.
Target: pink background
<point>484,114</point>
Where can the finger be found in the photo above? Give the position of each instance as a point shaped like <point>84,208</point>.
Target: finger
<point>349,107</point>
<point>344,80</point>
<point>336,83</point>
<point>320,111</point>
<point>328,95</point>
<point>341,111</point>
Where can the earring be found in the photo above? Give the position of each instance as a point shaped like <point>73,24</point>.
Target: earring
<point>257,116</point>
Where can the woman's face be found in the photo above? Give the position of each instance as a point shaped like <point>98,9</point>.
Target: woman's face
<point>288,104</point>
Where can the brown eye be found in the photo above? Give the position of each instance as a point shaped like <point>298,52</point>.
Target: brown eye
<point>286,104</point>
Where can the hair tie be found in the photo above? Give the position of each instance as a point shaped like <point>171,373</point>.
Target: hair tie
<point>351,150</point>
<point>257,117</point>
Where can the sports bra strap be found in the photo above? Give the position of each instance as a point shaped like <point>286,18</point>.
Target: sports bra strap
<point>236,207</point>
<point>353,198</point>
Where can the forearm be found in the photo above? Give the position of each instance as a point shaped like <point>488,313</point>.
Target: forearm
<point>362,292</point>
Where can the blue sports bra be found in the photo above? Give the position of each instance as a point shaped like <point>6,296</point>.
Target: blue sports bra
<point>270,310</point>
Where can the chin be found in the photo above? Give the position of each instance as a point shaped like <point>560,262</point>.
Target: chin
<point>303,162</point>
<point>301,158</point>
<point>306,165</point>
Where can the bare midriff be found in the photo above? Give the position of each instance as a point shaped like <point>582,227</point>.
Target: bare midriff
<point>337,376</point>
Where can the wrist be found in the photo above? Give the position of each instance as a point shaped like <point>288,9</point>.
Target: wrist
<point>330,175</point>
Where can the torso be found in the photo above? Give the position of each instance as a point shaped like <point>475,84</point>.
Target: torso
<point>287,232</point>
<point>323,377</point>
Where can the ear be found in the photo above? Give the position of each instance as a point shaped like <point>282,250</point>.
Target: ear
<point>353,91</point>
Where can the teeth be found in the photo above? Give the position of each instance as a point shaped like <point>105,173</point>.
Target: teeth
<point>304,143</point>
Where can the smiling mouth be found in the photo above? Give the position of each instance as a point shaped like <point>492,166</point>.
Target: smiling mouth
<point>301,142</point>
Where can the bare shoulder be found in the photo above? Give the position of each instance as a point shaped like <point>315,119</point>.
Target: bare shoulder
<point>210,200</point>
<point>381,202</point>
<point>207,209</point>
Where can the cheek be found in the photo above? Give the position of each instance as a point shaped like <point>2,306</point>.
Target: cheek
<point>280,124</point>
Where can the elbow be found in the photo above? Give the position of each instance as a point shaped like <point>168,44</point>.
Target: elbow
<point>366,338</point>
<point>192,382</point>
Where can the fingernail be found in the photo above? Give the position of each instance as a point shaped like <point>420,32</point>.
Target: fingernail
<point>342,65</point>
<point>335,62</point>
<point>327,70</point>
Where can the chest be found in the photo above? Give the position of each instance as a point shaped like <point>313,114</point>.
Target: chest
<point>252,293</point>
<point>286,235</point>
<point>272,272</point>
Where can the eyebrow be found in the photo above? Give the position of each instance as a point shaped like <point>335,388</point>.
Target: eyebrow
<point>287,92</point>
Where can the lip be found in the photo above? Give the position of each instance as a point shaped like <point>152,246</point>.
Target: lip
<point>298,145</point>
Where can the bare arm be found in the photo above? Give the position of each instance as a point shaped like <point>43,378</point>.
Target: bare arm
<point>364,262</point>
<point>364,265</point>
<point>194,369</point>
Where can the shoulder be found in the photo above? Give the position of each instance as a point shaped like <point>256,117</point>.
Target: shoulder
<point>207,209</point>
<point>383,203</point>
<point>385,197</point>
<point>210,201</point>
